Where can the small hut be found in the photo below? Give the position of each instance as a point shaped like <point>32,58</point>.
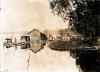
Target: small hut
<point>36,39</point>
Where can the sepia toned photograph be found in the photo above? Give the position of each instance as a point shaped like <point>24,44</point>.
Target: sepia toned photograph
<point>50,36</point>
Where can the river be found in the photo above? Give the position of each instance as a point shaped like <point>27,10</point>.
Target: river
<point>46,60</point>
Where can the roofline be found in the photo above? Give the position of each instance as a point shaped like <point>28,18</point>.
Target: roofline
<point>33,30</point>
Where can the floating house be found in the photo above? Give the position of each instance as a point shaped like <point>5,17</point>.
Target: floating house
<point>35,40</point>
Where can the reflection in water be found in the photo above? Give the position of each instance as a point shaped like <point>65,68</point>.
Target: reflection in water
<point>45,60</point>
<point>33,40</point>
<point>88,60</point>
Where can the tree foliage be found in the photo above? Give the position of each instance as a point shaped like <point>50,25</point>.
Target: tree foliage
<point>82,19</point>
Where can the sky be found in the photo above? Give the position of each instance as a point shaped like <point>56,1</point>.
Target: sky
<point>25,15</point>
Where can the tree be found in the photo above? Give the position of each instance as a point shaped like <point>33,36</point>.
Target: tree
<point>82,17</point>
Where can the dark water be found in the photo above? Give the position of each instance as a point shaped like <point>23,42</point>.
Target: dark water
<point>88,60</point>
